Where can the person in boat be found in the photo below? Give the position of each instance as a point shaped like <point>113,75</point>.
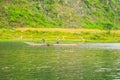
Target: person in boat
<point>43,40</point>
<point>57,41</point>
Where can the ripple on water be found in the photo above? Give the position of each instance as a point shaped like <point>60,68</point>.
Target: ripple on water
<point>38,68</point>
<point>103,69</point>
<point>8,68</point>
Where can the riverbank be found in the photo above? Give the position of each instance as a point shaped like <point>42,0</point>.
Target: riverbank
<point>65,35</point>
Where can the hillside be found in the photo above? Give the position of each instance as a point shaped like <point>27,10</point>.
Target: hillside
<point>92,14</point>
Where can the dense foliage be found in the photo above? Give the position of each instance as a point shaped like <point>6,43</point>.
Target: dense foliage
<point>60,13</point>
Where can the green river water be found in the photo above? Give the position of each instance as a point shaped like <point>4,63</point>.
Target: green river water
<point>87,61</point>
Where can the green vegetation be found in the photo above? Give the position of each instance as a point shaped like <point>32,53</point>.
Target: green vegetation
<point>60,14</point>
<point>65,35</point>
<point>95,14</point>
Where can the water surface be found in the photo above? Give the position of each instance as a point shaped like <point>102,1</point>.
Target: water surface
<point>88,61</point>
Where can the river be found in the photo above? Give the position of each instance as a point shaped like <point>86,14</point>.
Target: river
<point>87,61</point>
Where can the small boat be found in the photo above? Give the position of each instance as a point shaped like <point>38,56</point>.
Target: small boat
<point>48,44</point>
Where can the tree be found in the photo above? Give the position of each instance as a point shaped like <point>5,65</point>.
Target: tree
<point>108,26</point>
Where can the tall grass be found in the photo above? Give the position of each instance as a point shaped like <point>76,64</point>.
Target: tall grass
<point>65,35</point>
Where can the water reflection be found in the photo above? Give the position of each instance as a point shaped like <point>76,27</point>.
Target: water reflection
<point>58,63</point>
<point>103,45</point>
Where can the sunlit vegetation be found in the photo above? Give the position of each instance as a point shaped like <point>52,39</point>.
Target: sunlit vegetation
<point>65,35</point>
<point>60,13</point>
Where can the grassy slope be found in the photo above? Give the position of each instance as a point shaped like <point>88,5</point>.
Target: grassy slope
<point>60,13</point>
<point>65,35</point>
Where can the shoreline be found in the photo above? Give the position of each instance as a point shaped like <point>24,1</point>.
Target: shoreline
<point>67,41</point>
<point>65,35</point>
